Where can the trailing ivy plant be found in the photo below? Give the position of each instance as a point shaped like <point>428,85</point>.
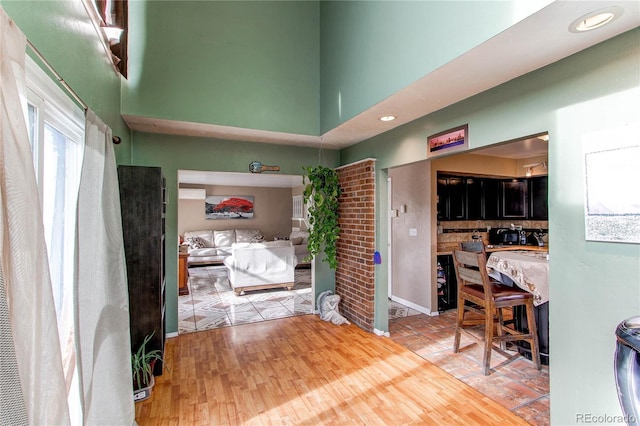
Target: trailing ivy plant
<point>321,196</point>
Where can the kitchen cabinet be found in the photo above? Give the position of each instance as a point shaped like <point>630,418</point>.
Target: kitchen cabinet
<point>143,202</point>
<point>485,198</point>
<point>514,198</point>
<point>491,197</point>
<point>475,198</point>
<point>538,198</point>
<point>483,201</point>
<point>452,198</point>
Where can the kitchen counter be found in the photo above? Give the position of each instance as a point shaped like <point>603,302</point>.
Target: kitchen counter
<point>447,249</point>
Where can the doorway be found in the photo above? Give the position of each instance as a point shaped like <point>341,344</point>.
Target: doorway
<point>211,302</point>
<point>414,230</point>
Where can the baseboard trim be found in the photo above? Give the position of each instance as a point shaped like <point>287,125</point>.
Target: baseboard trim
<point>381,333</point>
<point>415,307</point>
<point>171,335</point>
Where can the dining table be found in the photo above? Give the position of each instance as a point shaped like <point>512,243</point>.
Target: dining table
<point>528,270</point>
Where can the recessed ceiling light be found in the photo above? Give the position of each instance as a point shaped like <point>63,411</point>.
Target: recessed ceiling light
<point>595,19</point>
<point>387,118</point>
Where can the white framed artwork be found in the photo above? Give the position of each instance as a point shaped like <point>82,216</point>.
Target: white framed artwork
<point>612,196</point>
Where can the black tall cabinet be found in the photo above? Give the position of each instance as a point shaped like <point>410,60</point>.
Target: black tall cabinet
<point>143,200</point>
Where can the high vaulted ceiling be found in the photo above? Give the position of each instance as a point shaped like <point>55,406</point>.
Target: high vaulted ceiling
<point>536,41</point>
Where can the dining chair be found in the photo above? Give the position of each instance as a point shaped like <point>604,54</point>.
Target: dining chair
<point>486,298</point>
<point>474,245</point>
<point>478,246</point>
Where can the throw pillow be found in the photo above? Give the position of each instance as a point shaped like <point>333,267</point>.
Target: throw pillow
<point>246,235</point>
<point>257,239</point>
<point>196,243</point>
<point>296,241</point>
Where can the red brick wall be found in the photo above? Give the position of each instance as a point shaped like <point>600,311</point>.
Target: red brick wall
<point>356,245</point>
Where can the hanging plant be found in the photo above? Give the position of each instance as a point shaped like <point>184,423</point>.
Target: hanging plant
<point>321,196</point>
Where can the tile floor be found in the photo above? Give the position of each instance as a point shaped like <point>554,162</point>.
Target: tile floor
<point>516,385</point>
<point>212,303</point>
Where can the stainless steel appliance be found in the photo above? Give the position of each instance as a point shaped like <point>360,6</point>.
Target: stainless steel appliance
<point>535,239</point>
<point>503,236</point>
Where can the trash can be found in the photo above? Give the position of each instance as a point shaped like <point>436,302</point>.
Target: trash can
<point>627,368</point>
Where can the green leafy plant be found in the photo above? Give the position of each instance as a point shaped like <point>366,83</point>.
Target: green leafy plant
<point>142,362</point>
<point>321,195</point>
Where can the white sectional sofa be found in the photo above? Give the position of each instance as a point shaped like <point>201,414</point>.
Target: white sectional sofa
<point>256,266</point>
<point>212,247</point>
<point>216,245</point>
<point>299,240</point>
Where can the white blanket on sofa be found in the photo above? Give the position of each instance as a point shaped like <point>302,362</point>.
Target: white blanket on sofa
<point>253,264</point>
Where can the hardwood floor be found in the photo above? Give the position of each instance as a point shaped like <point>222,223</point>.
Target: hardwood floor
<point>301,370</point>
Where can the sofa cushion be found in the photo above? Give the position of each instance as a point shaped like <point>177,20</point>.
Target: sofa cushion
<point>247,235</point>
<point>207,251</point>
<point>206,236</point>
<point>224,251</point>
<point>224,238</point>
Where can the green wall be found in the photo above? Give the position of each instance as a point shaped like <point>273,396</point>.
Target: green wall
<point>63,33</point>
<point>250,64</point>
<point>593,285</point>
<point>174,153</point>
<point>372,49</point>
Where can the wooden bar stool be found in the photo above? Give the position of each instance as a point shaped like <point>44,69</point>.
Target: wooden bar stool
<point>487,297</point>
<point>477,246</point>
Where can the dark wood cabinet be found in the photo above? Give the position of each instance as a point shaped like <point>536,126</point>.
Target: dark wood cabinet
<point>514,198</point>
<point>475,198</point>
<point>487,198</point>
<point>452,198</point>
<point>538,198</point>
<point>483,201</point>
<point>142,200</point>
<point>491,194</point>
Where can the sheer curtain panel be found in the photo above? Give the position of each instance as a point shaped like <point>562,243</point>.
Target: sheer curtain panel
<point>102,324</point>
<point>24,256</point>
<point>12,409</point>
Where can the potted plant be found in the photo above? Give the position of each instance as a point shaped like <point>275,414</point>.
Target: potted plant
<point>321,195</point>
<point>142,362</point>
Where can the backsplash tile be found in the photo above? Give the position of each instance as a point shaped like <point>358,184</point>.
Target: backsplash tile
<point>452,232</point>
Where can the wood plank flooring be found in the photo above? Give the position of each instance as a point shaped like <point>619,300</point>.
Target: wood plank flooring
<point>302,370</point>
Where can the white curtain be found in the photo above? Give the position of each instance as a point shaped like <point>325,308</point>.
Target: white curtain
<point>24,257</point>
<point>102,322</point>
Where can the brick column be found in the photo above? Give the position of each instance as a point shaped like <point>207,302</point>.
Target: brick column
<point>356,245</point>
